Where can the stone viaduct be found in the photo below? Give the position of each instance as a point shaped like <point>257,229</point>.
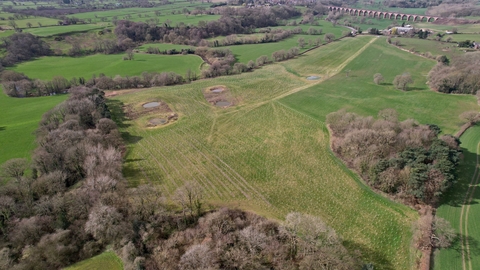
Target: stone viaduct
<point>384,14</point>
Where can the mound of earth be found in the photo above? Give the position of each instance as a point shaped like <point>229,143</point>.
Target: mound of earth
<point>219,96</point>
<point>158,110</point>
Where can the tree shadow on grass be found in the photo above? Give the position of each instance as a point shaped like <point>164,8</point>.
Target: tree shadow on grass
<point>137,174</point>
<point>118,115</point>
<point>474,247</point>
<point>2,128</point>
<point>371,256</point>
<point>456,195</point>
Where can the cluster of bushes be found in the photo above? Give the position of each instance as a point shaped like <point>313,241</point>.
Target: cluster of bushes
<point>21,47</point>
<point>458,76</point>
<point>45,222</point>
<point>18,85</point>
<point>404,159</point>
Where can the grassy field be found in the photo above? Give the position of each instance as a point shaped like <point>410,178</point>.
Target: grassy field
<point>145,14</point>
<point>358,93</point>
<point>64,29</point>
<point>22,23</point>
<point>46,68</point>
<point>20,117</point>
<point>432,46</point>
<point>464,28</point>
<point>461,208</point>
<point>105,261</point>
<point>163,46</point>
<point>270,153</point>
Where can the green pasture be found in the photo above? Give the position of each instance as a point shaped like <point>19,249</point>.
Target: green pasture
<point>18,122</point>
<point>326,27</point>
<point>105,261</point>
<point>6,33</point>
<point>270,152</point>
<point>63,29</point>
<point>46,68</point>
<point>461,208</point>
<point>146,14</point>
<point>163,46</point>
<point>463,28</point>
<point>22,23</point>
<point>463,37</point>
<point>373,23</point>
<point>247,52</point>
<point>427,45</point>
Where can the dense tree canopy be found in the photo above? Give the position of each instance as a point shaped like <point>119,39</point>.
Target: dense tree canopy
<point>461,76</point>
<point>404,159</point>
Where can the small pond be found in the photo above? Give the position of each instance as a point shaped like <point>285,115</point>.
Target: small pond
<point>222,103</point>
<point>151,105</point>
<point>158,121</point>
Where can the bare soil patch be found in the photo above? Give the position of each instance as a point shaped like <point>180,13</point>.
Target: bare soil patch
<point>158,111</point>
<point>219,96</point>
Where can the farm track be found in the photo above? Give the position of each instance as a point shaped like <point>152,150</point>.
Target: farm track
<point>466,257</point>
<point>329,74</point>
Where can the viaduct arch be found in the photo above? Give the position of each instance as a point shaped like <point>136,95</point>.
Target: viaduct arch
<point>384,14</point>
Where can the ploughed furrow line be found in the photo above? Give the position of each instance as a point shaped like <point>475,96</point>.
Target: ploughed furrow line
<point>202,179</point>
<point>232,181</point>
<point>235,183</point>
<point>240,180</point>
<point>171,171</point>
<point>157,164</point>
<point>466,257</point>
<point>213,176</point>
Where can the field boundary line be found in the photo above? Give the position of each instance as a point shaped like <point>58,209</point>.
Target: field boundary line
<point>465,210</point>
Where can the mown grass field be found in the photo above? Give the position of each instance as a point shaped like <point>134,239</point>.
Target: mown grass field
<point>461,208</point>
<point>105,261</point>
<point>63,29</point>
<point>270,153</point>
<point>46,68</point>
<point>19,120</point>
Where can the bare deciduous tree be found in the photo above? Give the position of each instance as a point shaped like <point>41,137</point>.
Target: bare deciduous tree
<point>402,81</point>
<point>378,78</point>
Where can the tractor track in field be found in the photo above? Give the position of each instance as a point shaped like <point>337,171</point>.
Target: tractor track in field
<point>332,72</point>
<point>466,259</point>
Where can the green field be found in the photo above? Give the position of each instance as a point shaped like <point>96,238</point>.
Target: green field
<point>19,120</point>
<point>270,153</point>
<point>163,46</point>
<point>247,52</point>
<point>145,14</point>
<point>461,208</point>
<point>105,261</point>
<point>463,28</point>
<point>63,29</point>
<point>432,46</point>
<point>22,23</point>
<point>46,68</point>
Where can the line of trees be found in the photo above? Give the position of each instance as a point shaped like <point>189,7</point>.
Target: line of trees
<point>18,85</point>
<point>405,159</point>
